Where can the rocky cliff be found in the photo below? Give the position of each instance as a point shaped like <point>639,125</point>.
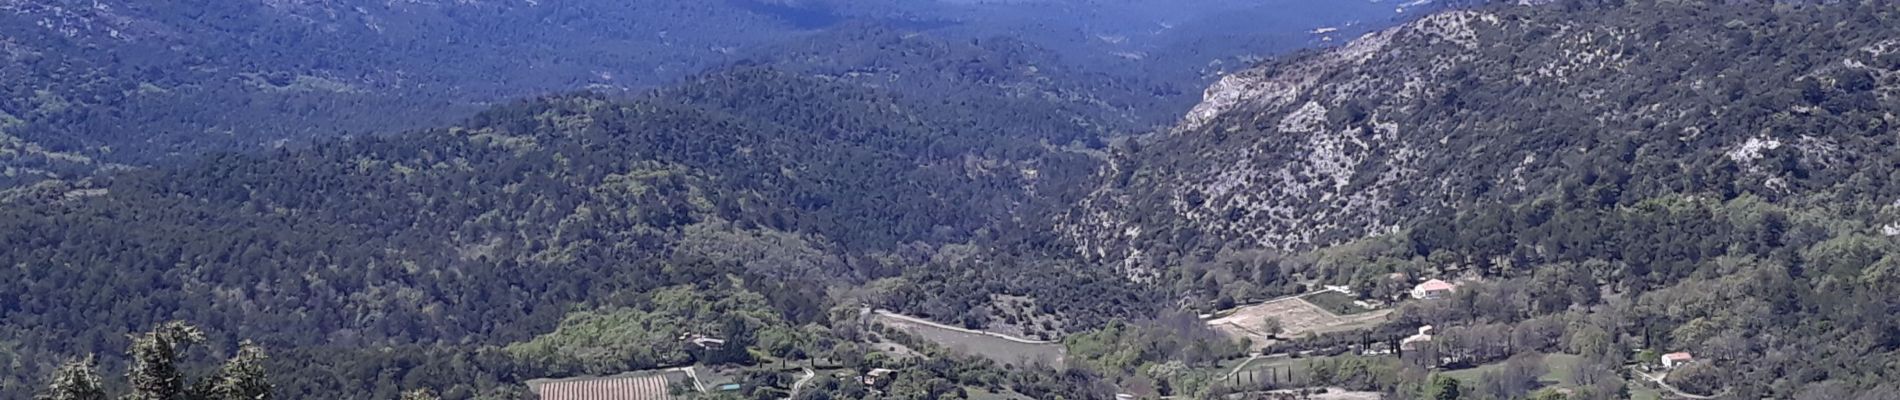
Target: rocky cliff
<point>1510,103</point>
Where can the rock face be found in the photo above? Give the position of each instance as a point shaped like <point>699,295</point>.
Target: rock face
<point>1503,103</point>
<point>1287,155</point>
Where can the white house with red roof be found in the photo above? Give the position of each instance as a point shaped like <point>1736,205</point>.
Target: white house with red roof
<point>1673,360</point>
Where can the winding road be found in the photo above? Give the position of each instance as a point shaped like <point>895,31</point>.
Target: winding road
<point>800,385</point>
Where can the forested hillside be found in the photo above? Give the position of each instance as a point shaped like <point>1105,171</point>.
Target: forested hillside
<point>102,85</point>
<point>1615,103</point>
<point>145,82</point>
<point>1618,179</point>
<point>490,231</point>
<point>1601,182</point>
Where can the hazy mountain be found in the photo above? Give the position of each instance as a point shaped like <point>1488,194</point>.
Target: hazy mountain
<point>92,84</point>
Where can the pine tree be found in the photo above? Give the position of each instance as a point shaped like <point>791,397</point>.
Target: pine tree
<point>155,374</point>
<point>419,394</point>
<point>1444,388</point>
<point>75,381</point>
<point>242,378</point>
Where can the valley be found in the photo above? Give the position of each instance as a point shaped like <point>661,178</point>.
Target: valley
<point>137,84</point>
<point>847,199</point>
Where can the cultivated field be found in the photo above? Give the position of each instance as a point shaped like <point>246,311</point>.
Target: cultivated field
<point>1561,372</point>
<point>1001,348</point>
<point>648,385</point>
<point>1297,317</point>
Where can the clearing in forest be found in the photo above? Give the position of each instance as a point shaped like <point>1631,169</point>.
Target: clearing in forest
<point>998,347</point>
<point>1297,317</point>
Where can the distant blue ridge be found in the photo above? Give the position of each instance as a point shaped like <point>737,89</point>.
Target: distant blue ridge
<point>801,17</point>
<point>823,16</point>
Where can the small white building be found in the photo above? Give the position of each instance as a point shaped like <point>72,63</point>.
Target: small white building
<point>703,341</point>
<point>875,376</point>
<point>1420,340</point>
<point>1341,289</point>
<point>1414,342</point>
<point>1433,289</point>
<point>1673,360</point>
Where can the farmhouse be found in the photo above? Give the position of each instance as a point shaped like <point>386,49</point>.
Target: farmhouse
<point>1433,289</point>
<point>1673,360</point>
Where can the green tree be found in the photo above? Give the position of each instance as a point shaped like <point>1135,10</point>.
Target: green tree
<point>241,378</point>
<point>1648,357</point>
<point>1272,326</point>
<point>155,374</point>
<point>1444,388</point>
<point>76,380</point>
<point>1549,394</point>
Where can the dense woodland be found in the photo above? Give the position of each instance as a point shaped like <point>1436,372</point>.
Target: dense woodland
<point>89,86</point>
<point>772,203</point>
<point>468,239</point>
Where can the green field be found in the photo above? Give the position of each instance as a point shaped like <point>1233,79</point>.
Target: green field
<point>1336,303</point>
<point>980,394</point>
<point>986,346</point>
<point>1640,391</point>
<point>1294,372</point>
<point>1559,375</point>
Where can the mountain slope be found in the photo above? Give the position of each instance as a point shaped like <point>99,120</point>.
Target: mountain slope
<point>489,232</point>
<point>142,83</point>
<point>1600,180</point>
<point>1507,104</point>
<point>151,83</point>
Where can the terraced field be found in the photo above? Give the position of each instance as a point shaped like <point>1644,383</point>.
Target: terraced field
<point>1001,348</point>
<point>651,385</point>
